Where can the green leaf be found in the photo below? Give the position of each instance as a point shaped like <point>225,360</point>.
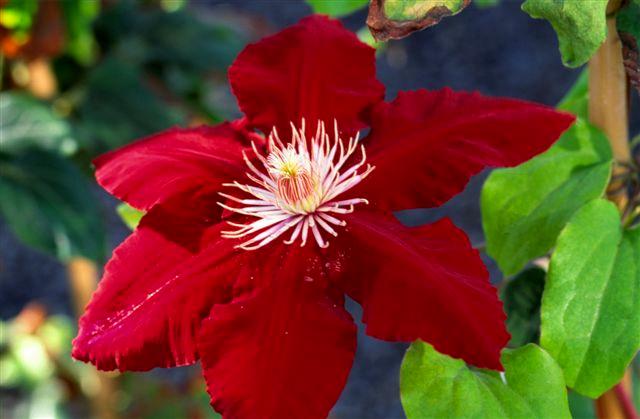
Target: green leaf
<point>56,333</point>
<point>47,203</point>
<point>590,307</point>
<point>18,16</point>
<point>576,100</point>
<point>336,8</point>
<point>580,25</point>
<point>119,108</point>
<point>483,4</point>
<point>364,35</point>
<point>581,407</point>
<point>522,296</point>
<point>25,122</point>
<point>31,357</point>
<point>433,385</point>
<point>525,207</point>
<point>79,16</point>
<point>129,215</point>
<point>628,18</point>
<point>394,19</point>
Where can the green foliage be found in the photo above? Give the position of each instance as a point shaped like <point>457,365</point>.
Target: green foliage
<point>401,10</point>
<point>486,3</point>
<point>129,215</point>
<point>524,208</point>
<point>25,122</point>
<point>336,8</point>
<point>628,25</point>
<point>46,202</point>
<point>119,105</point>
<point>590,308</point>
<point>25,360</point>
<point>78,16</point>
<point>576,100</point>
<point>522,296</point>
<point>581,407</point>
<point>156,41</point>
<point>364,34</point>
<point>628,19</point>
<point>433,385</point>
<point>18,16</point>
<point>580,25</point>
<point>119,108</point>
<point>395,19</point>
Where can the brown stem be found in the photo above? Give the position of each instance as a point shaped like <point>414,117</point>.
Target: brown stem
<point>625,401</point>
<point>608,110</point>
<point>83,280</point>
<point>608,103</point>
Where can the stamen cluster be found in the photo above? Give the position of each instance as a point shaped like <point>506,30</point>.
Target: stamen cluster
<point>298,188</point>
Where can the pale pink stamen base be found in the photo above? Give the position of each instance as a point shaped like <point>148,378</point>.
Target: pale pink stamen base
<point>307,212</point>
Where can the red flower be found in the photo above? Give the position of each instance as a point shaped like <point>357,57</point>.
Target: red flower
<point>254,287</point>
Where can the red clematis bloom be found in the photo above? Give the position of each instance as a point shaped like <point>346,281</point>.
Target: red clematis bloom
<point>250,241</point>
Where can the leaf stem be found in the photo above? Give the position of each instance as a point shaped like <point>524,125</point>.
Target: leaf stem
<point>83,280</point>
<point>625,401</point>
<point>608,110</point>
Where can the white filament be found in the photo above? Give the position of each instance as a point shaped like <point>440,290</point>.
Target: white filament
<point>297,189</point>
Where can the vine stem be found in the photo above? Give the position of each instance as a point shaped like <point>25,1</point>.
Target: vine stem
<point>609,110</point>
<point>83,280</point>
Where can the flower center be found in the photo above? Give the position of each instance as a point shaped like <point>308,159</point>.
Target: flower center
<point>298,188</point>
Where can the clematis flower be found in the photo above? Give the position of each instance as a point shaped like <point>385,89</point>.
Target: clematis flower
<point>256,229</point>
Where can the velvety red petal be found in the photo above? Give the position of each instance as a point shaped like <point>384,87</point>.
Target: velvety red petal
<point>315,69</point>
<point>156,168</point>
<point>424,283</point>
<point>426,145</point>
<point>154,294</point>
<point>284,351</point>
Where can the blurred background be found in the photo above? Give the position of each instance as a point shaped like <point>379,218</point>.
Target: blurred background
<point>81,77</point>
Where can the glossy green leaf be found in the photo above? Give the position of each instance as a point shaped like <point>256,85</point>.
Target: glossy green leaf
<point>522,296</point>
<point>580,25</point>
<point>129,215</point>
<point>394,19</point>
<point>576,100</point>
<point>525,207</point>
<point>590,307</point>
<point>433,385</point>
<point>336,8</point>
<point>47,203</point>
<point>26,122</point>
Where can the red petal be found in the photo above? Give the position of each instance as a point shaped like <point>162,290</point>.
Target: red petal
<point>315,69</point>
<point>164,165</point>
<point>153,296</point>
<point>283,352</point>
<point>424,283</point>
<point>427,145</point>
